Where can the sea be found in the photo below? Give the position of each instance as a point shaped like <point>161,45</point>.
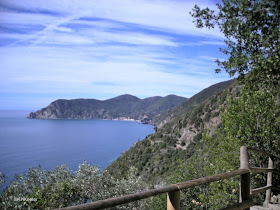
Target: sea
<point>26,143</point>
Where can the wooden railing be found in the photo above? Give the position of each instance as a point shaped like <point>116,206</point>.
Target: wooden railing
<point>173,191</point>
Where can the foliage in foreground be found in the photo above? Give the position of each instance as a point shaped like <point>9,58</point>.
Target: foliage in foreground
<point>251,118</point>
<point>40,189</point>
<point>251,30</point>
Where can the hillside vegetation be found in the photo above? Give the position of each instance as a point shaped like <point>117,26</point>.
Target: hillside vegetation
<point>177,139</point>
<point>188,105</point>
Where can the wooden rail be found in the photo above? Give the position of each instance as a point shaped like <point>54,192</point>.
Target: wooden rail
<point>173,191</point>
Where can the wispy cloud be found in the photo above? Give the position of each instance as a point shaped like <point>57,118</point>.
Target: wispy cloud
<point>86,47</point>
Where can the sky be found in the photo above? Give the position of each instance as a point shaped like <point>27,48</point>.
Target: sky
<point>53,49</point>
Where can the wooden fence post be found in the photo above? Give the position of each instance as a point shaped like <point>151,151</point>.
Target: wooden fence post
<point>173,200</point>
<point>245,179</point>
<point>269,183</point>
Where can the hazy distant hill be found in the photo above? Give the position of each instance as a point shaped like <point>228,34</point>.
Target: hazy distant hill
<point>123,107</point>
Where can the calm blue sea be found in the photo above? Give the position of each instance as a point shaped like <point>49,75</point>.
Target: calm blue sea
<point>27,143</point>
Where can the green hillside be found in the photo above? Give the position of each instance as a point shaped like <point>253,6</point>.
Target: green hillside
<point>177,139</point>
<point>188,105</point>
<point>205,141</point>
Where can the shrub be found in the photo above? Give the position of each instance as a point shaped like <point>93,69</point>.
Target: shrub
<point>61,187</point>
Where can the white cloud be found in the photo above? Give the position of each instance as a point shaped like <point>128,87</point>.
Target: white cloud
<point>73,72</point>
<point>63,39</point>
<point>213,43</point>
<point>128,38</point>
<point>170,16</point>
<point>143,47</point>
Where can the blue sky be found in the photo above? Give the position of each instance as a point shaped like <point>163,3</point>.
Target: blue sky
<point>101,49</point>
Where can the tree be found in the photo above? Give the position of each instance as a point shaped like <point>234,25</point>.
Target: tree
<point>251,117</point>
<point>252,34</point>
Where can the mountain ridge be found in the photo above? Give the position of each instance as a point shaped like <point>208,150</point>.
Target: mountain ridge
<point>123,107</point>
<point>155,110</point>
<point>193,101</point>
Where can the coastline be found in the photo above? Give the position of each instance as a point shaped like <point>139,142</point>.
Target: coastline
<point>114,119</point>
